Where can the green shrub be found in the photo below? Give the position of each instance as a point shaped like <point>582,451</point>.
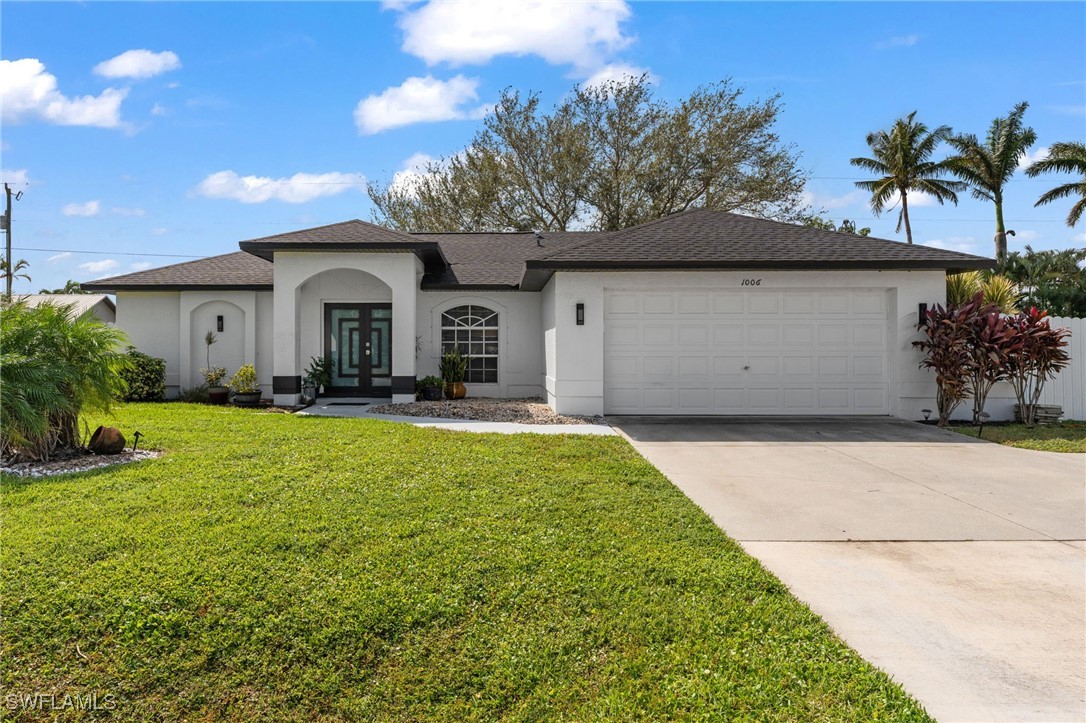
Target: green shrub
<point>430,381</point>
<point>54,366</point>
<point>454,365</point>
<point>194,395</point>
<point>244,379</point>
<point>146,378</point>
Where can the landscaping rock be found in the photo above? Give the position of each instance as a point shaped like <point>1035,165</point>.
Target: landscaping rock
<point>106,440</point>
<point>523,411</point>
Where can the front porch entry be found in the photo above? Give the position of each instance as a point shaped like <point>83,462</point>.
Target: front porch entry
<point>358,338</point>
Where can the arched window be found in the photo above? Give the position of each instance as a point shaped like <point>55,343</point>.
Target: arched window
<point>474,330</point>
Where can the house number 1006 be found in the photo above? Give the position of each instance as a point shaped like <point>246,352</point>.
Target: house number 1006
<point>751,282</point>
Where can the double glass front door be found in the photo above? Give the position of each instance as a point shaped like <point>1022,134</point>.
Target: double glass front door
<point>358,337</point>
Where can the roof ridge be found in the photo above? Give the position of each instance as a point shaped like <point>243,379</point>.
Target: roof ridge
<point>327,226</point>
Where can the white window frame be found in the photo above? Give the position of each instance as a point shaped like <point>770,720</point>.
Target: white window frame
<point>491,315</point>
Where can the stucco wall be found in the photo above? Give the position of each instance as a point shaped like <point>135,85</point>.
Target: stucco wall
<point>152,321</point>
<point>575,372</point>
<point>520,339</point>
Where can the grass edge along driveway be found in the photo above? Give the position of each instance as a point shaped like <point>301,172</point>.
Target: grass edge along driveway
<point>303,568</point>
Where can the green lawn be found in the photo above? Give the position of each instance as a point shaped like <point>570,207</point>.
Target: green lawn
<point>1067,436</point>
<point>273,567</point>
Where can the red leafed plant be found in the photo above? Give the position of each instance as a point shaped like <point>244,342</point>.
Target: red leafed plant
<point>1040,353</point>
<point>946,348</point>
<point>992,341</point>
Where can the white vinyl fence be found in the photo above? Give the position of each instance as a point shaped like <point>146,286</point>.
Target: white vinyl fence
<point>1068,388</point>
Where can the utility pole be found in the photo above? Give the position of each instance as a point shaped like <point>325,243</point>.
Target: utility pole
<point>7,246</point>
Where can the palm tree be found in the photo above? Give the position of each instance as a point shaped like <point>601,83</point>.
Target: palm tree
<point>986,167</point>
<point>902,156</point>
<point>1064,158</point>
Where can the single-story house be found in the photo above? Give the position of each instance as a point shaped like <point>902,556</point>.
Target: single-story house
<point>699,313</point>
<point>98,305</point>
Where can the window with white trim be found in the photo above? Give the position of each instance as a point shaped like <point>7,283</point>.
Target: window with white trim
<point>474,330</point>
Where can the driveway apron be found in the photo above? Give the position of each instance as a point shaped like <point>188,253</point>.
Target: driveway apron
<point>955,565</point>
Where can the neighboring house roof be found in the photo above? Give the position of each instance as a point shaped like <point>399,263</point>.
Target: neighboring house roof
<point>80,303</point>
<point>238,270</point>
<point>698,239</point>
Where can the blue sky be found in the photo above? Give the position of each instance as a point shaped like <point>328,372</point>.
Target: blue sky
<point>132,128</point>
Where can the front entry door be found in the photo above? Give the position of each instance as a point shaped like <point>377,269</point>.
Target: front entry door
<point>358,337</point>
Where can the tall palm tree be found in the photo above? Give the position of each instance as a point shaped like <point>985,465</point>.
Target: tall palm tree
<point>903,157</point>
<point>1064,158</point>
<point>986,167</point>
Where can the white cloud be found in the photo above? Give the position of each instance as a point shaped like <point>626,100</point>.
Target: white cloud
<point>14,176</point>
<point>898,41</point>
<point>138,64</point>
<point>122,211</point>
<point>97,267</point>
<point>1026,236</point>
<point>59,257</point>
<point>141,265</point>
<point>418,100</point>
<point>414,168</point>
<point>158,231</point>
<point>1081,237</point>
<point>831,203</point>
<point>963,244</point>
<point>1028,159</point>
<point>299,188</point>
<point>30,92</point>
<point>616,72</point>
<point>159,109</point>
<point>582,34</point>
<point>90,208</point>
<point>917,199</point>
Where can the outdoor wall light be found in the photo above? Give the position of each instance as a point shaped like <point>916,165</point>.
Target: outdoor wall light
<point>218,322</point>
<point>580,314</point>
<point>921,315</point>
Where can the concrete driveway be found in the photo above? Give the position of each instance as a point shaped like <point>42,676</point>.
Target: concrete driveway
<point>957,566</point>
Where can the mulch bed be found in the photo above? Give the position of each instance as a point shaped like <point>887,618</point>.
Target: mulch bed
<point>521,411</point>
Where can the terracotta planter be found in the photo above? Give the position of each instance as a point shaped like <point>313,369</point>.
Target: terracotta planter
<point>247,399</point>
<point>455,390</point>
<point>218,395</point>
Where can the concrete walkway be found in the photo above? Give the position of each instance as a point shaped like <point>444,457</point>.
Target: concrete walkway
<point>359,409</point>
<point>955,565</point>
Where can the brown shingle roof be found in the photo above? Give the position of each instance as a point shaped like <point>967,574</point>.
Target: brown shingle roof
<point>699,239</point>
<point>238,270</point>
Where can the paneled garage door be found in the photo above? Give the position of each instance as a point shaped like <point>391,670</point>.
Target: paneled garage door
<point>746,352</point>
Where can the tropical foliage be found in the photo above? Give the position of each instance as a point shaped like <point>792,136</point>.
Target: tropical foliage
<point>606,157</point>
<point>453,365</point>
<point>1037,353</point>
<point>1051,280</point>
<point>244,380</point>
<point>999,291</point>
<point>985,167</point>
<point>54,367</point>
<point>946,351</point>
<point>70,287</point>
<point>1064,158</point>
<point>828,224</point>
<point>16,271</point>
<point>145,377</point>
<point>902,157</point>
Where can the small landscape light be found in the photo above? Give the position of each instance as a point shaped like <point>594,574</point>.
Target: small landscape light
<point>983,417</point>
<point>926,413</point>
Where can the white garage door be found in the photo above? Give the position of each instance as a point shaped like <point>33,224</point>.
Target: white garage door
<point>746,352</point>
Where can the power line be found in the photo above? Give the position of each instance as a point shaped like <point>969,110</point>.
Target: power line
<point>110,253</point>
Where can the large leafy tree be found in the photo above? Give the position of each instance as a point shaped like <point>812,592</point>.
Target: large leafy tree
<point>1052,280</point>
<point>987,166</point>
<point>902,158</point>
<point>606,157</point>
<point>1064,158</point>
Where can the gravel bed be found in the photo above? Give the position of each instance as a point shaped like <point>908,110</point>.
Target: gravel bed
<point>522,411</point>
<point>76,463</point>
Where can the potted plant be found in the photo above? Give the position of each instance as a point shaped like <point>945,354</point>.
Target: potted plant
<point>217,393</point>
<point>454,367</point>
<point>430,387</point>
<point>317,376</point>
<point>213,376</point>
<point>246,391</point>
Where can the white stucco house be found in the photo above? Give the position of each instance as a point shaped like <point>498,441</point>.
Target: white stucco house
<point>700,313</point>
